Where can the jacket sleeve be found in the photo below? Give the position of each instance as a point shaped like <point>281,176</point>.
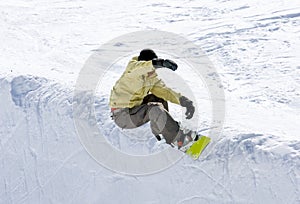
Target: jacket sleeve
<point>161,90</point>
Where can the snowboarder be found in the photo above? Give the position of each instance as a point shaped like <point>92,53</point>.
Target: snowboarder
<point>139,96</point>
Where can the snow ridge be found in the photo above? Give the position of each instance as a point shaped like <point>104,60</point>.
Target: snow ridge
<point>42,160</point>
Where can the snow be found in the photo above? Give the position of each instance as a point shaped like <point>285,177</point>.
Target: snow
<point>254,47</point>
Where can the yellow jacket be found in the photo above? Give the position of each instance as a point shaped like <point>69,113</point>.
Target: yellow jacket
<point>138,80</point>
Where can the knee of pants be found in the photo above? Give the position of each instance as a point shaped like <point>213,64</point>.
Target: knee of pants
<point>156,110</point>
<point>156,106</point>
<point>124,121</point>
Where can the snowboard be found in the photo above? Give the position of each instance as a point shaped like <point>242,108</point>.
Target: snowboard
<point>197,147</point>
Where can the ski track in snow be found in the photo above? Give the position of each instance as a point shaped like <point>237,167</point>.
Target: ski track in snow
<point>254,46</point>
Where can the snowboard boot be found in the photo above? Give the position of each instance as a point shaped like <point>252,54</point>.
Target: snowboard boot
<point>184,139</point>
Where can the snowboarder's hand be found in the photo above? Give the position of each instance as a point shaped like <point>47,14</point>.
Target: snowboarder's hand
<point>159,63</point>
<point>170,64</point>
<point>190,109</point>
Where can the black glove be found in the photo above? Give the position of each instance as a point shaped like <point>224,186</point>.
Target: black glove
<point>159,63</point>
<point>190,109</point>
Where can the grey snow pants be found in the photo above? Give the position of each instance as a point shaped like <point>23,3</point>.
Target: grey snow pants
<point>152,109</point>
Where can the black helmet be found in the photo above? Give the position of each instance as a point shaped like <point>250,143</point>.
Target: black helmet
<point>146,55</point>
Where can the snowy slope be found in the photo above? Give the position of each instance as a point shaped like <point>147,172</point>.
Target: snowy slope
<point>254,46</point>
<point>43,161</point>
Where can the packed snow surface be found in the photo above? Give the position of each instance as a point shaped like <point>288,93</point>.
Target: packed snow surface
<point>254,46</point>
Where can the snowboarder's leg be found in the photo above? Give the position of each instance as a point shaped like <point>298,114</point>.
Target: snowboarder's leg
<point>122,118</point>
<point>153,98</point>
<point>161,122</point>
<point>128,118</point>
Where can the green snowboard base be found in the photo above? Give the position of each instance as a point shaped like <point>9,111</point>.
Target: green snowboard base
<point>197,147</point>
